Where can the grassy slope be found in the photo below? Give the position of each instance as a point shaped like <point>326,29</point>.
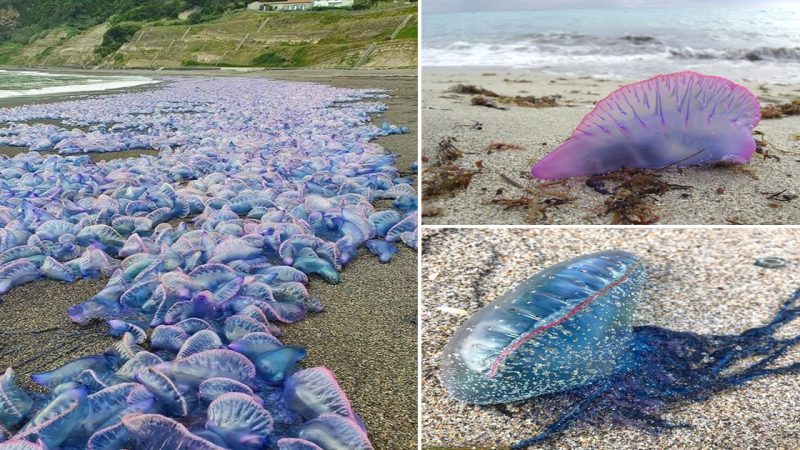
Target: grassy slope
<point>317,39</point>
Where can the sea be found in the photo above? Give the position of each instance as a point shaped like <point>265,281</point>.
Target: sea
<point>745,44</point>
<point>21,83</point>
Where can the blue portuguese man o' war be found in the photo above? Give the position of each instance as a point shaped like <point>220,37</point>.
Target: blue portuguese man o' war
<point>568,329</point>
<point>679,119</point>
<point>208,247</point>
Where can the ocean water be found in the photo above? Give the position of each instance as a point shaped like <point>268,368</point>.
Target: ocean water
<point>20,83</point>
<point>756,44</point>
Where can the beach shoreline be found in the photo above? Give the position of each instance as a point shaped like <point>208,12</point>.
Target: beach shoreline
<point>713,195</point>
<point>400,84</point>
<point>368,317</point>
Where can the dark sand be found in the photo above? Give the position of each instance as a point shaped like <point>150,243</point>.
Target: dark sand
<point>14,151</point>
<point>366,334</point>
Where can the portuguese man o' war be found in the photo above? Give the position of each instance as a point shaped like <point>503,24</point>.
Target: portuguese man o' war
<point>258,186</point>
<point>567,325</point>
<point>679,119</point>
<point>567,330</point>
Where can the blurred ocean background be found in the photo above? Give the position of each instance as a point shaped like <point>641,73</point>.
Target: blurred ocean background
<point>746,44</point>
<point>18,83</point>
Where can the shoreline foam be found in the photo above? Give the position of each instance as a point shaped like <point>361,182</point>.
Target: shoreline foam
<point>93,84</point>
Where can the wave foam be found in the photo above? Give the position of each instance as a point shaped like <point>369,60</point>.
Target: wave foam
<point>91,86</point>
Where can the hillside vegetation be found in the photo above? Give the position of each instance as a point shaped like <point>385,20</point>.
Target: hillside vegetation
<point>203,33</point>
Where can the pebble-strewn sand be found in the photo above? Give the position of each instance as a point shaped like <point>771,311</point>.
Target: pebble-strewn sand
<point>444,114</point>
<point>367,334</point>
<point>700,280</point>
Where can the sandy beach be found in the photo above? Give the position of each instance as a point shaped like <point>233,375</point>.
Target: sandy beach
<point>700,280</point>
<point>366,334</point>
<point>711,195</point>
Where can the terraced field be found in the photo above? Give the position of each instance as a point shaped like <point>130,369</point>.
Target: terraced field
<point>247,38</point>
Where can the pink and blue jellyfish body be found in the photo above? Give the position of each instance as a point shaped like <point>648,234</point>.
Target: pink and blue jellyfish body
<point>680,119</point>
<point>566,326</point>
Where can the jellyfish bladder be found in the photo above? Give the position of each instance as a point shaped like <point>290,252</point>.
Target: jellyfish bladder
<point>563,327</point>
<point>679,119</point>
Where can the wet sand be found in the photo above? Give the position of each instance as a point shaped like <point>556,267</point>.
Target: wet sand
<point>716,195</point>
<point>14,151</point>
<point>366,334</point>
<point>699,280</point>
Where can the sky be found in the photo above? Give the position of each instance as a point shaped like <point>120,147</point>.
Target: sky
<point>433,6</point>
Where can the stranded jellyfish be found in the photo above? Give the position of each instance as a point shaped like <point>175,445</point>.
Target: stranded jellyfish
<point>563,327</point>
<point>567,331</point>
<point>679,119</point>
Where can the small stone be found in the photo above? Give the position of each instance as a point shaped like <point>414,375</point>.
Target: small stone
<point>771,262</point>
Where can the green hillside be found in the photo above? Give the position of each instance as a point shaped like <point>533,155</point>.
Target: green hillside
<point>206,36</point>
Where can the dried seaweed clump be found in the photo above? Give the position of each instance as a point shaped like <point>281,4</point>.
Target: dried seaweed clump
<point>480,100</point>
<point>485,97</point>
<point>777,111</point>
<point>547,101</point>
<point>442,176</point>
<point>501,146</point>
<point>447,151</point>
<point>536,202</point>
<point>445,180</point>
<point>471,89</point>
<point>632,200</point>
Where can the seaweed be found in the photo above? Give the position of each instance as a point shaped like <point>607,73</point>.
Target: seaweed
<point>763,146</point>
<point>529,101</point>
<point>777,111</point>
<point>431,211</point>
<point>500,146</point>
<point>480,100</point>
<point>761,149</point>
<point>536,202</point>
<point>477,126</point>
<point>471,89</point>
<point>443,176</point>
<point>781,196</point>
<point>445,180</point>
<point>485,97</point>
<point>632,200</point>
<point>447,150</point>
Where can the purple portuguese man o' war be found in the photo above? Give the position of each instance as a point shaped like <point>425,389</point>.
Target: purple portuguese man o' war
<point>679,119</point>
<point>258,187</point>
<point>568,330</point>
<point>565,326</point>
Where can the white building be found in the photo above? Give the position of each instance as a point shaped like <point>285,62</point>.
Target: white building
<point>333,3</point>
<point>290,5</point>
<point>258,6</point>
